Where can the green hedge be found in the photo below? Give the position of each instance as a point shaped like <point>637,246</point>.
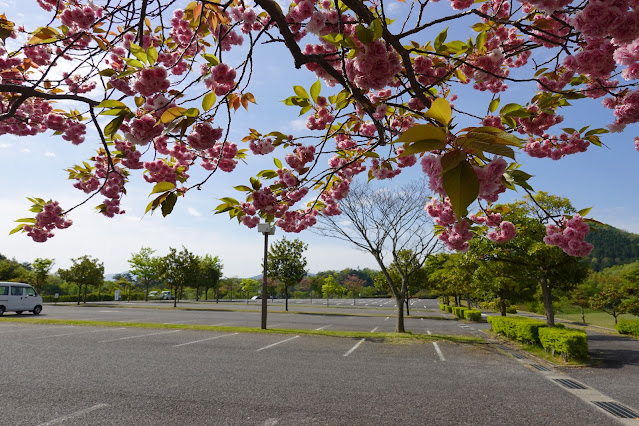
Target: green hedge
<point>449,308</point>
<point>443,307</point>
<point>626,326</point>
<point>93,297</point>
<point>472,314</point>
<point>569,343</point>
<point>525,330</point>
<point>458,311</point>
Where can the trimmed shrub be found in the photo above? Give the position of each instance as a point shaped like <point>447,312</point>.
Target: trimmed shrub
<point>567,342</point>
<point>459,311</point>
<point>512,309</point>
<point>472,314</point>
<point>517,328</point>
<point>443,307</point>
<point>626,326</point>
<point>449,308</point>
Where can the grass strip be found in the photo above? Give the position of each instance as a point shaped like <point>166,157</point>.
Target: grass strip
<point>332,333</point>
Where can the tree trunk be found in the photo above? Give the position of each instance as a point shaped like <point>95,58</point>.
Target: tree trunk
<point>468,301</point>
<point>206,293</point>
<point>583,315</point>
<point>502,306</point>
<point>79,293</point>
<point>217,295</point>
<point>547,296</point>
<point>399,323</point>
<point>615,314</point>
<point>407,306</point>
<point>85,294</point>
<point>175,298</point>
<point>286,296</point>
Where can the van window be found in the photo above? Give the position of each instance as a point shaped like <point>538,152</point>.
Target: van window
<point>30,291</point>
<point>4,290</point>
<point>16,291</point>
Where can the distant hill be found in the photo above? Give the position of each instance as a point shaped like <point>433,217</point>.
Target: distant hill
<point>612,246</point>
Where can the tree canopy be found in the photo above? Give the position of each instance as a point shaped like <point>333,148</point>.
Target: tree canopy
<point>157,86</point>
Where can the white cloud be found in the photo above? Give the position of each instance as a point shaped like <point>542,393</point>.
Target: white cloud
<point>5,145</point>
<point>25,150</point>
<point>299,124</point>
<point>49,154</point>
<point>193,212</point>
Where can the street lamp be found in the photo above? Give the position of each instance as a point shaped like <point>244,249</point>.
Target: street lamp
<point>266,229</point>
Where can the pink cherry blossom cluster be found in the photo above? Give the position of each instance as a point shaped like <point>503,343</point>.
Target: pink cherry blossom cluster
<point>487,71</point>
<point>150,81</point>
<point>39,55</point>
<point>432,166</point>
<point>556,147</point>
<point>220,156</point>
<point>548,6</point>
<point>374,66</point>
<point>502,230</point>
<point>626,108</point>
<point>130,155</point>
<point>302,10</point>
<point>78,85</point>
<point>346,168</point>
<point>261,146</point>
<point>570,236</point>
<point>556,80</point>
<point>81,18</point>
<point>50,218</point>
<point>181,32</point>
<point>160,171</point>
<point>321,118</point>
<point>296,221</point>
<point>456,234</point>
<point>222,79</point>
<point>496,8</point>
<point>493,121</point>
<point>300,157</point>
<point>383,170</point>
<point>461,4</point>
<point>427,73</point>
<point>596,60</point>
<point>637,143</point>
<point>113,189</point>
<point>490,179</point>
<point>538,123</point>
<point>228,38</point>
<point>552,30</point>
<point>204,136</point>
<point>406,160</point>
<point>142,130</point>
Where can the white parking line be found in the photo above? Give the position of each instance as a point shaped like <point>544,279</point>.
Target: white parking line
<point>277,343</point>
<point>222,323</point>
<point>374,330</point>
<point>143,335</point>
<point>204,340</point>
<point>323,327</point>
<point>386,319</point>
<point>79,332</point>
<point>351,350</point>
<point>72,415</point>
<point>439,352</point>
<point>33,329</point>
<point>178,322</point>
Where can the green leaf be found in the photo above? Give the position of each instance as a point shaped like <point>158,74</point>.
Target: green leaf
<point>493,148</point>
<point>441,38</point>
<point>168,204</point>
<point>26,220</point>
<point>133,63</point>
<point>152,55</point>
<point>113,126</point>
<point>172,114</point>
<point>301,92</point>
<point>494,104</point>
<point>582,212</point>
<point>230,201</point>
<point>277,162</point>
<point>110,103</point>
<point>462,187</point>
<point>17,229</point>
<point>451,159</point>
<point>208,101</point>
<point>423,132</point>
<point>211,59</point>
<point>422,146</point>
<point>493,135</point>
<point>364,34</point>
<point>192,112</point>
<point>138,52</point>
<point>440,111</point>
<point>162,187</point>
<point>315,90</point>
<point>243,188</point>
<point>108,72</point>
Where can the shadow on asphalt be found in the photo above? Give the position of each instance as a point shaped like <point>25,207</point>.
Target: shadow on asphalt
<point>613,351</point>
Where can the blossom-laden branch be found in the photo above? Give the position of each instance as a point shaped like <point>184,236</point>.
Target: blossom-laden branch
<point>166,84</point>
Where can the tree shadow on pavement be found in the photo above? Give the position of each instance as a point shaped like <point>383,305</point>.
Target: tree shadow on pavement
<point>613,351</point>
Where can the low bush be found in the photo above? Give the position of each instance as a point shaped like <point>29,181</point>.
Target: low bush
<point>512,309</point>
<point>525,330</point>
<point>459,311</point>
<point>626,326</point>
<point>449,309</point>
<point>472,314</point>
<point>442,307</point>
<point>567,342</point>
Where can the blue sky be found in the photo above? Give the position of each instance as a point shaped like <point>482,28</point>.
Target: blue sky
<point>602,178</point>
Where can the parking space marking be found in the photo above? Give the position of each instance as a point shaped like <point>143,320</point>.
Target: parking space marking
<point>78,332</point>
<point>277,343</point>
<point>143,335</point>
<point>223,323</point>
<point>386,319</point>
<point>323,327</point>
<point>351,350</point>
<point>374,330</point>
<point>79,413</point>
<point>439,351</point>
<point>32,329</point>
<point>204,340</point>
<point>178,322</point>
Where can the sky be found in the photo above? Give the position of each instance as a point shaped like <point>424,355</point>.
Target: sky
<point>602,178</point>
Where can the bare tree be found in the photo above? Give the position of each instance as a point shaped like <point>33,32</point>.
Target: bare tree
<point>385,223</point>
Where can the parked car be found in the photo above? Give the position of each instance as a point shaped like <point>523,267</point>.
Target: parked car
<point>166,295</point>
<point>19,297</point>
<point>154,294</point>
<point>256,297</point>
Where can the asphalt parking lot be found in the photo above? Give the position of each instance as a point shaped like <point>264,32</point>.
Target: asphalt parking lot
<point>76,375</point>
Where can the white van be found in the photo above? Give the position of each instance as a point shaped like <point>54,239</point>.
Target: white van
<point>19,297</point>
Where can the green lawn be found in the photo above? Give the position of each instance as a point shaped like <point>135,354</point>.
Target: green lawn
<point>600,319</point>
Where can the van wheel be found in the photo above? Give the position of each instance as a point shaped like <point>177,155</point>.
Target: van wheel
<point>37,310</point>
<point>19,312</point>
<point>1,310</point>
